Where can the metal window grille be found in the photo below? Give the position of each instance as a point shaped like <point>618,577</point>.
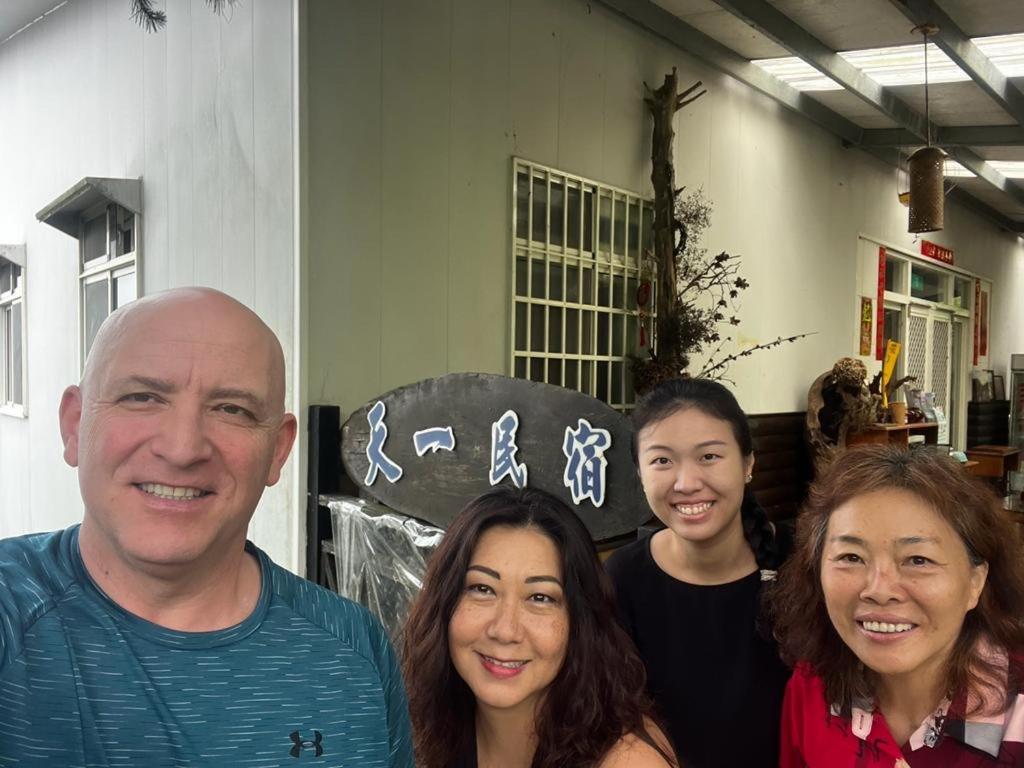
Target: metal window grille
<point>12,355</point>
<point>940,362</point>
<point>917,351</point>
<point>577,262</point>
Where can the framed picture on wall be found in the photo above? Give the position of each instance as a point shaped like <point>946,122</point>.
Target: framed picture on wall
<point>998,387</point>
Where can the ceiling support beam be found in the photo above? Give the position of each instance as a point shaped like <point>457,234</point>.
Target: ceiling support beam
<point>776,25</point>
<point>983,170</point>
<point>667,26</point>
<point>952,136</point>
<point>952,41</point>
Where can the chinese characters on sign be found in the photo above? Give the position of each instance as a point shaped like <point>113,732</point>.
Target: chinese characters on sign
<point>937,252</point>
<point>375,448</point>
<point>504,449</point>
<point>584,448</point>
<point>866,315</point>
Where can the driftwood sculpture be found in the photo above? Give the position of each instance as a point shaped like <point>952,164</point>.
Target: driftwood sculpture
<point>838,403</point>
<point>696,293</point>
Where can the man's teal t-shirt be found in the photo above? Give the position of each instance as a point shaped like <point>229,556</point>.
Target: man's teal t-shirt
<point>308,679</point>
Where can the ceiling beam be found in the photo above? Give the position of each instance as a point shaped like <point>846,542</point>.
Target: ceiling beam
<point>952,41</point>
<point>969,201</point>
<point>951,136</point>
<point>779,27</point>
<point>667,26</point>
<point>977,165</point>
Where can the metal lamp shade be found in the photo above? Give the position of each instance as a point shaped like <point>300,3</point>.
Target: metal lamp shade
<point>926,168</point>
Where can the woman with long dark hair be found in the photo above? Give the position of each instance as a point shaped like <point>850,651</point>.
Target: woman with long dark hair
<point>903,610</point>
<point>511,653</point>
<point>690,595</point>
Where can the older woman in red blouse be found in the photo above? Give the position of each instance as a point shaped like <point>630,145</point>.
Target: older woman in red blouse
<point>903,610</point>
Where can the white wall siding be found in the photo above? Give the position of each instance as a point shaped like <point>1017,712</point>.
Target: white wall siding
<point>202,112</point>
<point>415,111</point>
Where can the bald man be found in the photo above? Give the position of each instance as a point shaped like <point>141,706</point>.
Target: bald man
<point>153,633</point>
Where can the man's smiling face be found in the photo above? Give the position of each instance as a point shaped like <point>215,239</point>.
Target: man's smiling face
<point>177,428</point>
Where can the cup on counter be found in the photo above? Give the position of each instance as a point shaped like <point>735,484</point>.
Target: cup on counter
<point>898,413</point>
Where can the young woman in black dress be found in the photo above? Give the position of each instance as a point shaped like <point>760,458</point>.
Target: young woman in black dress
<point>690,595</point>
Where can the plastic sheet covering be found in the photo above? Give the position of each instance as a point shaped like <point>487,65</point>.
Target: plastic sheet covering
<point>379,556</point>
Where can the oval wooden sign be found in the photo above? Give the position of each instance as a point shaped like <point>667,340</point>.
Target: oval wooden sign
<point>438,443</point>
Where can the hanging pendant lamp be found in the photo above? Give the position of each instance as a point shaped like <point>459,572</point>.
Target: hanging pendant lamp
<point>926,167</point>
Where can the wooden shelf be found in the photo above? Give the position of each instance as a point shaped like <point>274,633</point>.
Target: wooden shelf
<point>895,434</point>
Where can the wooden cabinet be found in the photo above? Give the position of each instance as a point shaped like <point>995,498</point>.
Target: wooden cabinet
<point>988,423</point>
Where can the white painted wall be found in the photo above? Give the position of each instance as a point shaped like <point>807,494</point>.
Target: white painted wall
<point>201,111</point>
<point>415,109</point>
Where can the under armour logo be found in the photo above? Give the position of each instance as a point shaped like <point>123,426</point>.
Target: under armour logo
<point>301,744</point>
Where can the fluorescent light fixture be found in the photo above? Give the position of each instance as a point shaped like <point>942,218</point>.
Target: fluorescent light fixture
<point>901,64</point>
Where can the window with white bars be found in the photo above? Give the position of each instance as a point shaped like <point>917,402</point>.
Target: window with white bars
<point>12,338</point>
<point>109,265</point>
<point>578,259</point>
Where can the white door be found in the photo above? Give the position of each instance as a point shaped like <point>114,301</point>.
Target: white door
<point>928,357</point>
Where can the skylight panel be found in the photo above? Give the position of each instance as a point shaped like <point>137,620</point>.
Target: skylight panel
<point>1006,52</point>
<point>904,65</point>
<point>953,170</point>
<point>901,64</point>
<point>798,73</point>
<point>1011,169</point>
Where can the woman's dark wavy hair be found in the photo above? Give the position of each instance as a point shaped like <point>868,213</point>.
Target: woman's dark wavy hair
<point>711,398</point>
<point>599,694</point>
<point>802,624</point>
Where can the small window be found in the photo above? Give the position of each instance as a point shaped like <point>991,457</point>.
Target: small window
<point>894,271</point>
<point>577,248</point>
<point>103,215</point>
<point>108,273</point>
<point>12,338</point>
<point>963,292</point>
<point>927,284</point>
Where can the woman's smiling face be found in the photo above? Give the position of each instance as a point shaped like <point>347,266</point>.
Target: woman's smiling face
<point>509,632</point>
<point>897,582</point>
<point>693,472</point>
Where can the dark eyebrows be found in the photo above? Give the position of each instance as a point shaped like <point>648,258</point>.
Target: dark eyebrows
<point>848,540</point>
<point>698,446</point>
<point>538,579</point>
<point>489,571</point>
<point>529,579</point>
<point>709,443</point>
<point>905,541</point>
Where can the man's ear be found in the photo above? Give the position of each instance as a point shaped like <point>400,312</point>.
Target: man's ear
<point>70,416</point>
<point>282,447</point>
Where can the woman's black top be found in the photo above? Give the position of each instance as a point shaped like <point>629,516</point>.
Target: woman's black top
<point>715,677</point>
